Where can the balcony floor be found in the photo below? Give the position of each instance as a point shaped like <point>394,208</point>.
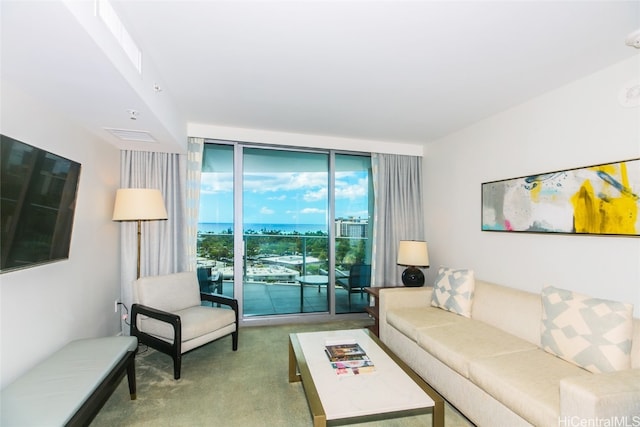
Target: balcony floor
<point>264,299</point>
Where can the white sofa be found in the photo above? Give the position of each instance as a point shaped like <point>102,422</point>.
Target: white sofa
<point>492,368</point>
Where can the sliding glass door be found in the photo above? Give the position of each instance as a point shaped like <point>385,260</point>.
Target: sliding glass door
<point>286,231</point>
<point>284,211</point>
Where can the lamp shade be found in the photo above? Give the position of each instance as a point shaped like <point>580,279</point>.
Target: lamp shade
<point>134,204</point>
<point>413,253</point>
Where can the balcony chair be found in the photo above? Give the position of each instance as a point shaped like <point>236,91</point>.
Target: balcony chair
<point>210,283</point>
<point>358,279</point>
<point>167,315</point>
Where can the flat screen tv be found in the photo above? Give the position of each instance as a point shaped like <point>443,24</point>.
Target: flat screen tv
<point>38,197</point>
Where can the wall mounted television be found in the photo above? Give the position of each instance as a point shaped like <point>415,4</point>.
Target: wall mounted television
<point>38,192</point>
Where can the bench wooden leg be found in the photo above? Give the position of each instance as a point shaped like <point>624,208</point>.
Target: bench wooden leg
<point>131,378</point>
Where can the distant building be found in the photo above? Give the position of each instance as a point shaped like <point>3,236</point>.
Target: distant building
<point>290,260</point>
<point>274,273</point>
<point>352,227</point>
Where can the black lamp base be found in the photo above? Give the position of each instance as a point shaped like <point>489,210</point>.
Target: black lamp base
<point>413,277</point>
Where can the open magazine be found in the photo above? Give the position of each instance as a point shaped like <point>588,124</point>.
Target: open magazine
<point>348,358</point>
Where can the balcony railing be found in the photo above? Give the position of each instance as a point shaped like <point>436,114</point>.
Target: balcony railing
<point>280,260</point>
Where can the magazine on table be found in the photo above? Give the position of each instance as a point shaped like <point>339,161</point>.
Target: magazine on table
<point>348,358</point>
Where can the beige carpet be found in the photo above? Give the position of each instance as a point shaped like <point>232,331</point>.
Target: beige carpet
<point>224,388</point>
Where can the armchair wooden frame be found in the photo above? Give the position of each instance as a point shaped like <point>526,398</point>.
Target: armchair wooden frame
<point>175,349</point>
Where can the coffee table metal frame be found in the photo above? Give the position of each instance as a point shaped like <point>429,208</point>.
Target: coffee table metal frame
<point>299,371</point>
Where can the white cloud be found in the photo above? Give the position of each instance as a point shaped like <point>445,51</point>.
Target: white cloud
<point>274,182</point>
<point>315,196</point>
<point>267,211</point>
<point>213,183</point>
<point>346,190</point>
<point>308,211</point>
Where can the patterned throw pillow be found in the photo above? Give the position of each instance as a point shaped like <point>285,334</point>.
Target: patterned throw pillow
<point>453,290</point>
<point>592,333</point>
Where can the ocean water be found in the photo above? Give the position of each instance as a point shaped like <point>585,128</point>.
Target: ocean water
<point>220,227</point>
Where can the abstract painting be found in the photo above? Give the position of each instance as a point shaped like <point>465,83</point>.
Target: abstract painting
<point>600,199</point>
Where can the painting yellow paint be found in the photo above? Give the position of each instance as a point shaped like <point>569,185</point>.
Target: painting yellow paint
<point>604,213</point>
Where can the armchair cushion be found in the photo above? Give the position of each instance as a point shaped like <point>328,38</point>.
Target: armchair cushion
<point>196,321</point>
<point>171,292</point>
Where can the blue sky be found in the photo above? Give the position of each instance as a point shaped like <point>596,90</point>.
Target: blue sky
<point>284,198</point>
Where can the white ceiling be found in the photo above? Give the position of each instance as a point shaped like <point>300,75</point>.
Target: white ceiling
<point>395,71</point>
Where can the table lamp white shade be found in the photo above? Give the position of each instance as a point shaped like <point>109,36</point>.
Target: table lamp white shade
<point>133,204</point>
<point>413,253</point>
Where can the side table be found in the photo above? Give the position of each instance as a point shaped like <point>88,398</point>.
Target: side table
<point>374,310</point>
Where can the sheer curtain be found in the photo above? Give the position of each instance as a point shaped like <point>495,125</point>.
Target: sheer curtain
<point>164,247</point>
<point>398,212</point>
<point>194,172</point>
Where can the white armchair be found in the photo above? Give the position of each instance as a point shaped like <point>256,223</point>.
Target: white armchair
<point>167,315</point>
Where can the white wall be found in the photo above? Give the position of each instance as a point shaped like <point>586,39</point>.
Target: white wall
<point>580,124</point>
<point>44,307</point>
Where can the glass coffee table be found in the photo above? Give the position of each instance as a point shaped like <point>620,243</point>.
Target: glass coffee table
<point>392,390</point>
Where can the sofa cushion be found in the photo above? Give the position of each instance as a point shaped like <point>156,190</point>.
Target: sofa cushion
<point>606,396</point>
<point>196,321</point>
<point>453,290</point>
<point>409,320</point>
<point>456,345</point>
<point>512,310</point>
<point>592,333</point>
<point>526,382</point>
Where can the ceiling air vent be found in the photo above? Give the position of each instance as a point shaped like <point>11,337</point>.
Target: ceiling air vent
<point>132,135</point>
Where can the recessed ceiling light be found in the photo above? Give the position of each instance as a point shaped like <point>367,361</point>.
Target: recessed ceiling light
<point>131,135</point>
<point>133,114</point>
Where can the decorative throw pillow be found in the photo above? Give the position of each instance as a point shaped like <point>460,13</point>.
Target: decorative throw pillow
<point>592,333</point>
<point>453,290</point>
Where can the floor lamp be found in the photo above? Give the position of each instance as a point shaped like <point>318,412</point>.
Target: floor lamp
<point>139,204</point>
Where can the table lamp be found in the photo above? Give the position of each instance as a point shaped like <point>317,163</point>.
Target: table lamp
<point>413,254</point>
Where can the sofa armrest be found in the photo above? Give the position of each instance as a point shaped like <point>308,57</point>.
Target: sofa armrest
<point>611,395</point>
<point>401,297</point>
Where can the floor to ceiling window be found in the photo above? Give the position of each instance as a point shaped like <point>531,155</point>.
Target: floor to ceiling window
<point>286,232</point>
<point>216,220</point>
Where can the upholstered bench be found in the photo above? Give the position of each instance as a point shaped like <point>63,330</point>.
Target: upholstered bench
<point>72,385</point>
